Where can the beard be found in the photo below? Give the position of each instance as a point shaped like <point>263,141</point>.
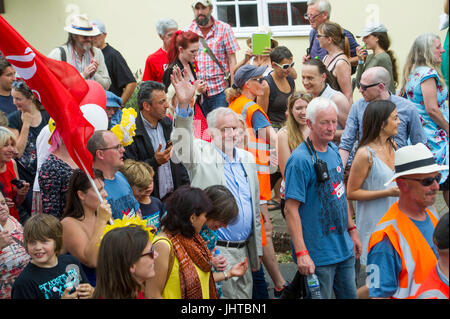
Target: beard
<point>202,20</point>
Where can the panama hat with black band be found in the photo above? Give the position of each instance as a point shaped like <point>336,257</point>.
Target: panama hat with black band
<point>415,159</point>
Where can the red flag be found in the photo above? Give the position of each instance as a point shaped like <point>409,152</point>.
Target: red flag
<point>59,87</point>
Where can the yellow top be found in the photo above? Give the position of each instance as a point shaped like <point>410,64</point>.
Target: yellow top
<point>172,289</point>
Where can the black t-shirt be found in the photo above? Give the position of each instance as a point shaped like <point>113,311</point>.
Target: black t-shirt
<point>118,70</point>
<point>48,283</point>
<point>278,100</point>
<point>6,104</point>
<point>27,163</point>
<point>153,212</point>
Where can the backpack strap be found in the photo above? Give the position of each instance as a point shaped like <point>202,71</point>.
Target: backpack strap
<point>63,54</point>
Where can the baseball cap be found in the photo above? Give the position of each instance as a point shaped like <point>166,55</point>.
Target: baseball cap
<point>206,3</point>
<point>440,234</point>
<point>100,25</point>
<point>113,100</point>
<point>246,72</point>
<point>371,28</point>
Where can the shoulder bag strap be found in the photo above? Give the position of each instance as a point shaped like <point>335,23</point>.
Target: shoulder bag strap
<point>213,57</point>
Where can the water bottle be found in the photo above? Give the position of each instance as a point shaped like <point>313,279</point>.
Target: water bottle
<point>314,286</point>
<point>219,283</point>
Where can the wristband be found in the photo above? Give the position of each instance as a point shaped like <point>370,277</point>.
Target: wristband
<point>351,228</point>
<point>301,253</point>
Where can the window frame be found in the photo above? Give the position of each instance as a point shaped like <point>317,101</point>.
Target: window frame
<point>263,16</point>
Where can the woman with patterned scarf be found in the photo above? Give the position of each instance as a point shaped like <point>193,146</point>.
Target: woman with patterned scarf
<point>184,266</point>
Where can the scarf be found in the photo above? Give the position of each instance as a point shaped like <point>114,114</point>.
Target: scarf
<point>190,251</point>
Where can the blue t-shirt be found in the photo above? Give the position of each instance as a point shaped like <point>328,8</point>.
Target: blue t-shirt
<point>389,264</point>
<point>120,197</point>
<point>323,206</point>
<point>153,212</point>
<point>6,104</point>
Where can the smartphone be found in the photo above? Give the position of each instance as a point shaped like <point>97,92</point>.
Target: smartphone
<point>17,182</point>
<point>169,144</point>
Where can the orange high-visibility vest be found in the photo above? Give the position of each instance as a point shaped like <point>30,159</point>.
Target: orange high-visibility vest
<point>245,108</point>
<point>433,287</point>
<point>418,259</point>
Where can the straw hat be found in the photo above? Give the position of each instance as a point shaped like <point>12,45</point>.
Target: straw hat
<point>80,25</point>
<point>414,159</point>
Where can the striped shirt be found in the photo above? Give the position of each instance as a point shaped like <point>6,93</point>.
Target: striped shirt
<point>222,42</point>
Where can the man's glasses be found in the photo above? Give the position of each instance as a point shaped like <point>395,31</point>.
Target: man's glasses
<point>151,253</point>
<point>117,147</point>
<point>285,66</point>
<point>426,181</point>
<point>365,87</point>
<point>311,18</point>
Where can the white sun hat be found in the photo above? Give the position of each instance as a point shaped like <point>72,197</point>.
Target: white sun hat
<point>80,25</point>
<point>415,159</point>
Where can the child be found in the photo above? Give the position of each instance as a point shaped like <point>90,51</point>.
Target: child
<point>49,275</point>
<point>140,178</point>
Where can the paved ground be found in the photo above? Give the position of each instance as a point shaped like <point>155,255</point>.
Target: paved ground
<point>281,241</point>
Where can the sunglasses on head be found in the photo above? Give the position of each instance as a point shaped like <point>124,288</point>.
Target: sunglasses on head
<point>151,253</point>
<point>285,66</point>
<point>18,84</point>
<point>426,181</point>
<point>365,87</point>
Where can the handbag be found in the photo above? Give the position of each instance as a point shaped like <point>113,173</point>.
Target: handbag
<point>227,75</point>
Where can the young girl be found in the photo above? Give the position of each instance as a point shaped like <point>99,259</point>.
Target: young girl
<point>126,259</point>
<point>49,275</point>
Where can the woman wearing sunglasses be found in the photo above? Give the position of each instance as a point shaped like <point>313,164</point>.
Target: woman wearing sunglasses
<point>26,123</point>
<point>372,166</point>
<point>126,259</point>
<point>83,220</point>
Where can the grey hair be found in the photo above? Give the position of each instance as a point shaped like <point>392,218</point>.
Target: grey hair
<point>318,104</point>
<point>323,5</point>
<point>211,119</point>
<point>162,25</point>
<point>380,74</point>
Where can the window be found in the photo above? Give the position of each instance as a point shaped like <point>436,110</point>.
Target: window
<point>283,17</point>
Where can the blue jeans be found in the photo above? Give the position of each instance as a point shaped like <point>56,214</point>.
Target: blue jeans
<point>339,278</point>
<point>212,102</point>
<point>259,285</point>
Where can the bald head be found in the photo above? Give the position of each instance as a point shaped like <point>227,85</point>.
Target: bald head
<point>377,74</point>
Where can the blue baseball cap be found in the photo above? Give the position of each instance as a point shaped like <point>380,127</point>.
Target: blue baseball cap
<point>246,72</point>
<point>113,100</point>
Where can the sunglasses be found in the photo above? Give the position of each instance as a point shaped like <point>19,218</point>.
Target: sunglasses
<point>365,87</point>
<point>151,253</point>
<point>18,84</point>
<point>285,66</point>
<point>117,147</point>
<point>259,80</point>
<point>426,181</point>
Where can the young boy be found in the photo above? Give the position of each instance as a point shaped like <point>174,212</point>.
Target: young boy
<point>49,275</point>
<point>140,177</point>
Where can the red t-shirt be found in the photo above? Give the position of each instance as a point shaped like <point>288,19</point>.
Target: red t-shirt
<point>155,65</point>
<point>9,189</point>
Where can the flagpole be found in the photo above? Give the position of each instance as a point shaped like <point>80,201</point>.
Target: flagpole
<point>92,183</point>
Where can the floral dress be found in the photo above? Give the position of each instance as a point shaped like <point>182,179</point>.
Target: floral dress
<point>13,260</point>
<point>437,138</point>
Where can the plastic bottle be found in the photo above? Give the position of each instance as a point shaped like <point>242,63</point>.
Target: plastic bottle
<point>314,286</point>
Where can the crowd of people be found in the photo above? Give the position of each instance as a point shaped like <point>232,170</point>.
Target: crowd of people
<point>218,144</point>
